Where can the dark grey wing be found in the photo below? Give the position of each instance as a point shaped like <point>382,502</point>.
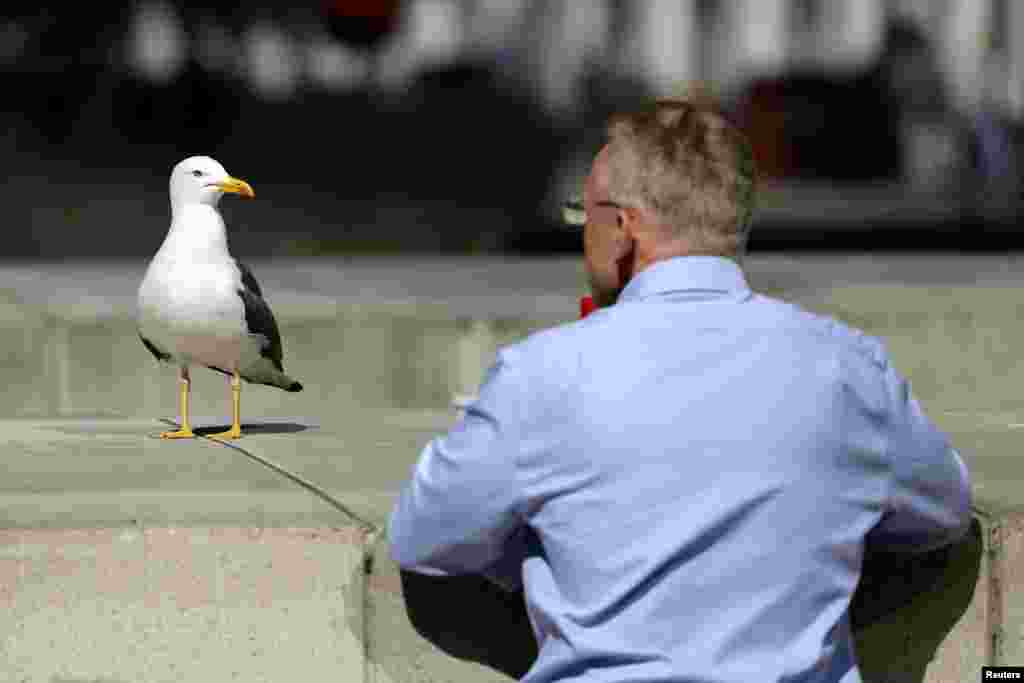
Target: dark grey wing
<point>248,279</point>
<point>160,355</point>
<point>258,317</point>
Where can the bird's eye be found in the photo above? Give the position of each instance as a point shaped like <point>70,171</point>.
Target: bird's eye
<point>197,173</point>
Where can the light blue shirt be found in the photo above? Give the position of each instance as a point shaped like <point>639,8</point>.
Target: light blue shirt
<point>682,484</point>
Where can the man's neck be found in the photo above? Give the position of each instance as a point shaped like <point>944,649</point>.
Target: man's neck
<point>645,256</point>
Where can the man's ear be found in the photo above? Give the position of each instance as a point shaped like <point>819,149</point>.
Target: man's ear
<point>629,219</point>
<point>624,265</point>
<point>624,236</point>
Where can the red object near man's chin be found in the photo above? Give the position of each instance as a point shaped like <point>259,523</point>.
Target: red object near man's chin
<point>587,306</point>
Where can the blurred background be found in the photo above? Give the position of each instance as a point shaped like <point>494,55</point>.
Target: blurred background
<point>460,125</point>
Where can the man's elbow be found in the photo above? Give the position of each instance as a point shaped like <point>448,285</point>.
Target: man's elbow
<point>961,513</point>
<point>949,516</point>
<point>408,554</point>
<point>400,555</point>
<point>966,498</point>
<point>400,547</point>
<point>966,518</point>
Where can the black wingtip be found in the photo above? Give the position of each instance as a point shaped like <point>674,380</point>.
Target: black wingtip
<point>294,386</point>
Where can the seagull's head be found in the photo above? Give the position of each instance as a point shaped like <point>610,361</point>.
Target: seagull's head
<point>202,180</point>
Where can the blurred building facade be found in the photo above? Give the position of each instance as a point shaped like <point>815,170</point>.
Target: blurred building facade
<point>665,44</point>
<point>393,86</point>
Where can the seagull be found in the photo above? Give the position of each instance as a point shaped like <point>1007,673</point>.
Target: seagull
<point>198,305</point>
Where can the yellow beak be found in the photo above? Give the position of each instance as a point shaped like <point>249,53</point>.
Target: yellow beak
<point>237,186</point>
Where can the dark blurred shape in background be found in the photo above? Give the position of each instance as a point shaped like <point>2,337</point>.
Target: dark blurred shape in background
<point>460,125</point>
<point>812,124</point>
<point>363,24</point>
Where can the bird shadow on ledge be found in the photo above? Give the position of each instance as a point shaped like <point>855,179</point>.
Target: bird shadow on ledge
<point>257,428</point>
<point>272,427</point>
<point>904,608</point>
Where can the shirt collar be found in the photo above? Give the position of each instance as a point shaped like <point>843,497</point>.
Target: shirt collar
<point>682,273</point>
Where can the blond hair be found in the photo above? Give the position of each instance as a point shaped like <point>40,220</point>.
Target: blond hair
<point>689,166</point>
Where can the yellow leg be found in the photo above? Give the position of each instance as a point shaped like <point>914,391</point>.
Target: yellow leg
<point>186,427</point>
<point>236,414</point>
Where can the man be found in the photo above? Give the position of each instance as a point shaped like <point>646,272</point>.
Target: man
<point>683,483</point>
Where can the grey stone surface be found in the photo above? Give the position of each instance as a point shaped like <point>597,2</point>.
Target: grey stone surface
<point>145,604</point>
<point>1008,592</point>
<point>101,472</point>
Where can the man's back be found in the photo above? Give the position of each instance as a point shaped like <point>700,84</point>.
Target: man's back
<point>695,471</point>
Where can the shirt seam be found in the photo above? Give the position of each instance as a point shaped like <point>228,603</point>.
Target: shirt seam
<point>517,438</point>
<point>866,354</point>
<point>523,503</point>
<point>892,478</point>
<point>714,294</point>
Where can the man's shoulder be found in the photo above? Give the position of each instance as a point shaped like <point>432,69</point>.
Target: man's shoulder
<point>826,328</point>
<point>550,347</point>
<point>557,349</point>
<point>568,338</point>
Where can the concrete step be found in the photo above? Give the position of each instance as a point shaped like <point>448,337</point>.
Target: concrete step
<point>127,557</point>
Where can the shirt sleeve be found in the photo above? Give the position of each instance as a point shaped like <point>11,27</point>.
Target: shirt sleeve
<point>459,513</point>
<point>929,504</point>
